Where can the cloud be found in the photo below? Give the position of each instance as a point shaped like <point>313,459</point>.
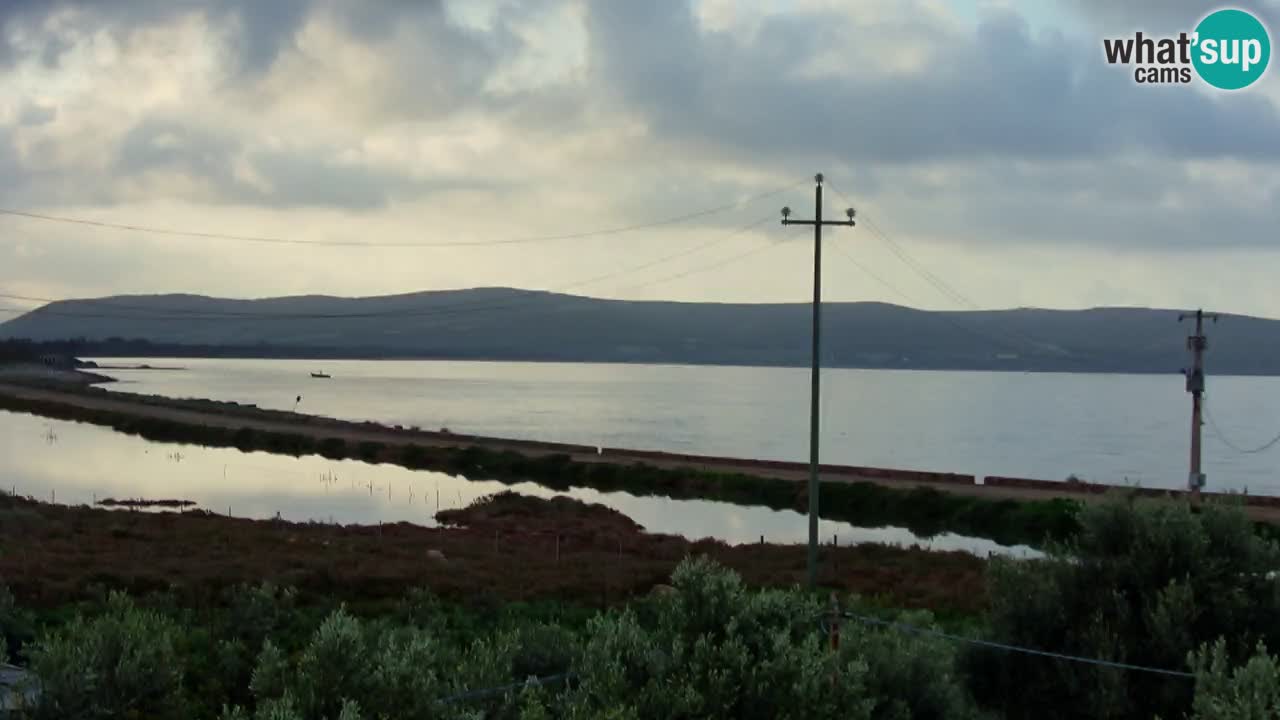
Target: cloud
<point>989,135</point>
<point>991,91</point>
<point>264,28</point>
<point>1162,15</point>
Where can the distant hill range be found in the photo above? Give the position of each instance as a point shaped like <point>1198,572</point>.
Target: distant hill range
<point>506,324</point>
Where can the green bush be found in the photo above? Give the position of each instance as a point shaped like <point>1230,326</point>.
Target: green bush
<point>1247,692</point>
<point>16,626</point>
<point>120,664</point>
<point>715,650</point>
<point>353,668</point>
<point>1145,583</point>
<point>910,675</point>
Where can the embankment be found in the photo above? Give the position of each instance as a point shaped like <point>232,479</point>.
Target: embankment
<point>1008,511</point>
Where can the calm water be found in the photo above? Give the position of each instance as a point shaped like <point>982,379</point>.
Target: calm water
<point>75,463</point>
<point>1106,428</point>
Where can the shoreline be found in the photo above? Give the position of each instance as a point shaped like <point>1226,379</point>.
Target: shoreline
<point>70,377</point>
<point>375,357</point>
<point>1011,511</point>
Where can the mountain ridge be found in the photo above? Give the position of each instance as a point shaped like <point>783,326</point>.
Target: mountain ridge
<point>498,323</point>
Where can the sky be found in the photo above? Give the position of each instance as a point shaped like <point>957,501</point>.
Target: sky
<point>987,142</point>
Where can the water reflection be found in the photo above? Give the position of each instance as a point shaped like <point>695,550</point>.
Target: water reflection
<point>85,463</point>
<point>1115,429</point>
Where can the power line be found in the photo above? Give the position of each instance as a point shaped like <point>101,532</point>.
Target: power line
<point>686,273</point>
<point>706,267</point>
<point>1217,432</point>
<point>1014,339</point>
<point>915,629</point>
<point>874,275</point>
<point>151,313</point>
<point>901,253</point>
<point>433,244</point>
<point>1007,342</point>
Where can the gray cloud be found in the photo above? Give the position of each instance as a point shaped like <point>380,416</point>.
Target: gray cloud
<point>996,92</point>
<point>1160,15</point>
<point>299,178</point>
<point>1144,206</point>
<point>36,115</point>
<point>267,26</point>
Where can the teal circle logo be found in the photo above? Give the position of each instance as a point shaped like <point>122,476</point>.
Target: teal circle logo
<point>1232,49</point>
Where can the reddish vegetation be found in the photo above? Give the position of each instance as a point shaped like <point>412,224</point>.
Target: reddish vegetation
<point>50,554</point>
<point>525,515</point>
<point>143,503</point>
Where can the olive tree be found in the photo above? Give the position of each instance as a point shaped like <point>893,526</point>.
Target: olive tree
<point>1145,583</point>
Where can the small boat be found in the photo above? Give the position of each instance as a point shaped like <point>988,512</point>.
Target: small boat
<point>319,375</point>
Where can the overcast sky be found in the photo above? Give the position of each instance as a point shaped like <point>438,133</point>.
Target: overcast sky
<point>988,140</point>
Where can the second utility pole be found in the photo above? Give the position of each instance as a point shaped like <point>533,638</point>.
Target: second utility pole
<point>1195,385</point>
<point>817,222</point>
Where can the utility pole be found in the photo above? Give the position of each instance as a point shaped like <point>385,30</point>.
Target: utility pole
<point>1197,344</point>
<point>817,222</point>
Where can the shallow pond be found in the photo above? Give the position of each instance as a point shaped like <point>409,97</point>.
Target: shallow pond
<point>76,463</point>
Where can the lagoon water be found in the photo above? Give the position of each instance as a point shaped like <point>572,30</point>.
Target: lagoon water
<point>76,463</point>
<point>1120,429</point>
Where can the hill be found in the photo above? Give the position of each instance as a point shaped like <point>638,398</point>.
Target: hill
<point>507,324</point>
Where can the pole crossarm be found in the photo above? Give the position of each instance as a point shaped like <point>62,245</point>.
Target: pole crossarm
<point>788,221</point>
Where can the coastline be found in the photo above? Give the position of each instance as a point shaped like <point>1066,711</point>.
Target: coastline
<point>1010,511</point>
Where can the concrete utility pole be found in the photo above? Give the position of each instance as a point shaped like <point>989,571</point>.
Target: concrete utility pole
<point>817,222</point>
<point>1195,385</point>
